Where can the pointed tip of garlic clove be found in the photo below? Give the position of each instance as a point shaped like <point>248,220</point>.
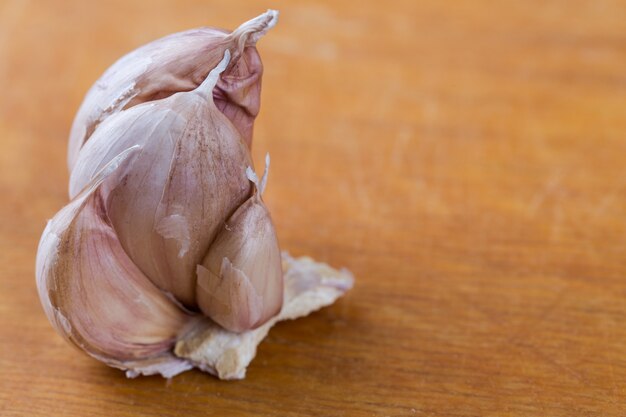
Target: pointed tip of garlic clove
<point>206,88</point>
<point>251,31</point>
<point>263,182</point>
<point>271,18</point>
<point>254,178</point>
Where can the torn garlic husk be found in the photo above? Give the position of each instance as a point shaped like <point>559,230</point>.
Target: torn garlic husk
<point>166,258</point>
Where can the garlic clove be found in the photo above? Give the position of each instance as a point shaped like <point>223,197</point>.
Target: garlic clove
<point>175,63</point>
<point>169,205</point>
<point>240,283</point>
<point>92,292</point>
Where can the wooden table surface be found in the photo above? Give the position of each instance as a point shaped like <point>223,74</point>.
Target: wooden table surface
<point>466,160</point>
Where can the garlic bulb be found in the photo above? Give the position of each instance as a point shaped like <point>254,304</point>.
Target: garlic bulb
<point>166,247</point>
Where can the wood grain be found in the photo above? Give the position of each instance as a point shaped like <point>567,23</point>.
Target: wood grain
<point>466,160</point>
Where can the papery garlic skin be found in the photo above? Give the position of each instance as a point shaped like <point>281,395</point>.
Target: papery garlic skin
<point>175,63</point>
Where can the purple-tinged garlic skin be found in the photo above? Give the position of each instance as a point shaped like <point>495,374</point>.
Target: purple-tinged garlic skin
<point>175,63</point>
<point>79,266</point>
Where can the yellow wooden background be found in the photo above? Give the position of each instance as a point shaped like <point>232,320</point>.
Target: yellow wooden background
<point>465,159</point>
